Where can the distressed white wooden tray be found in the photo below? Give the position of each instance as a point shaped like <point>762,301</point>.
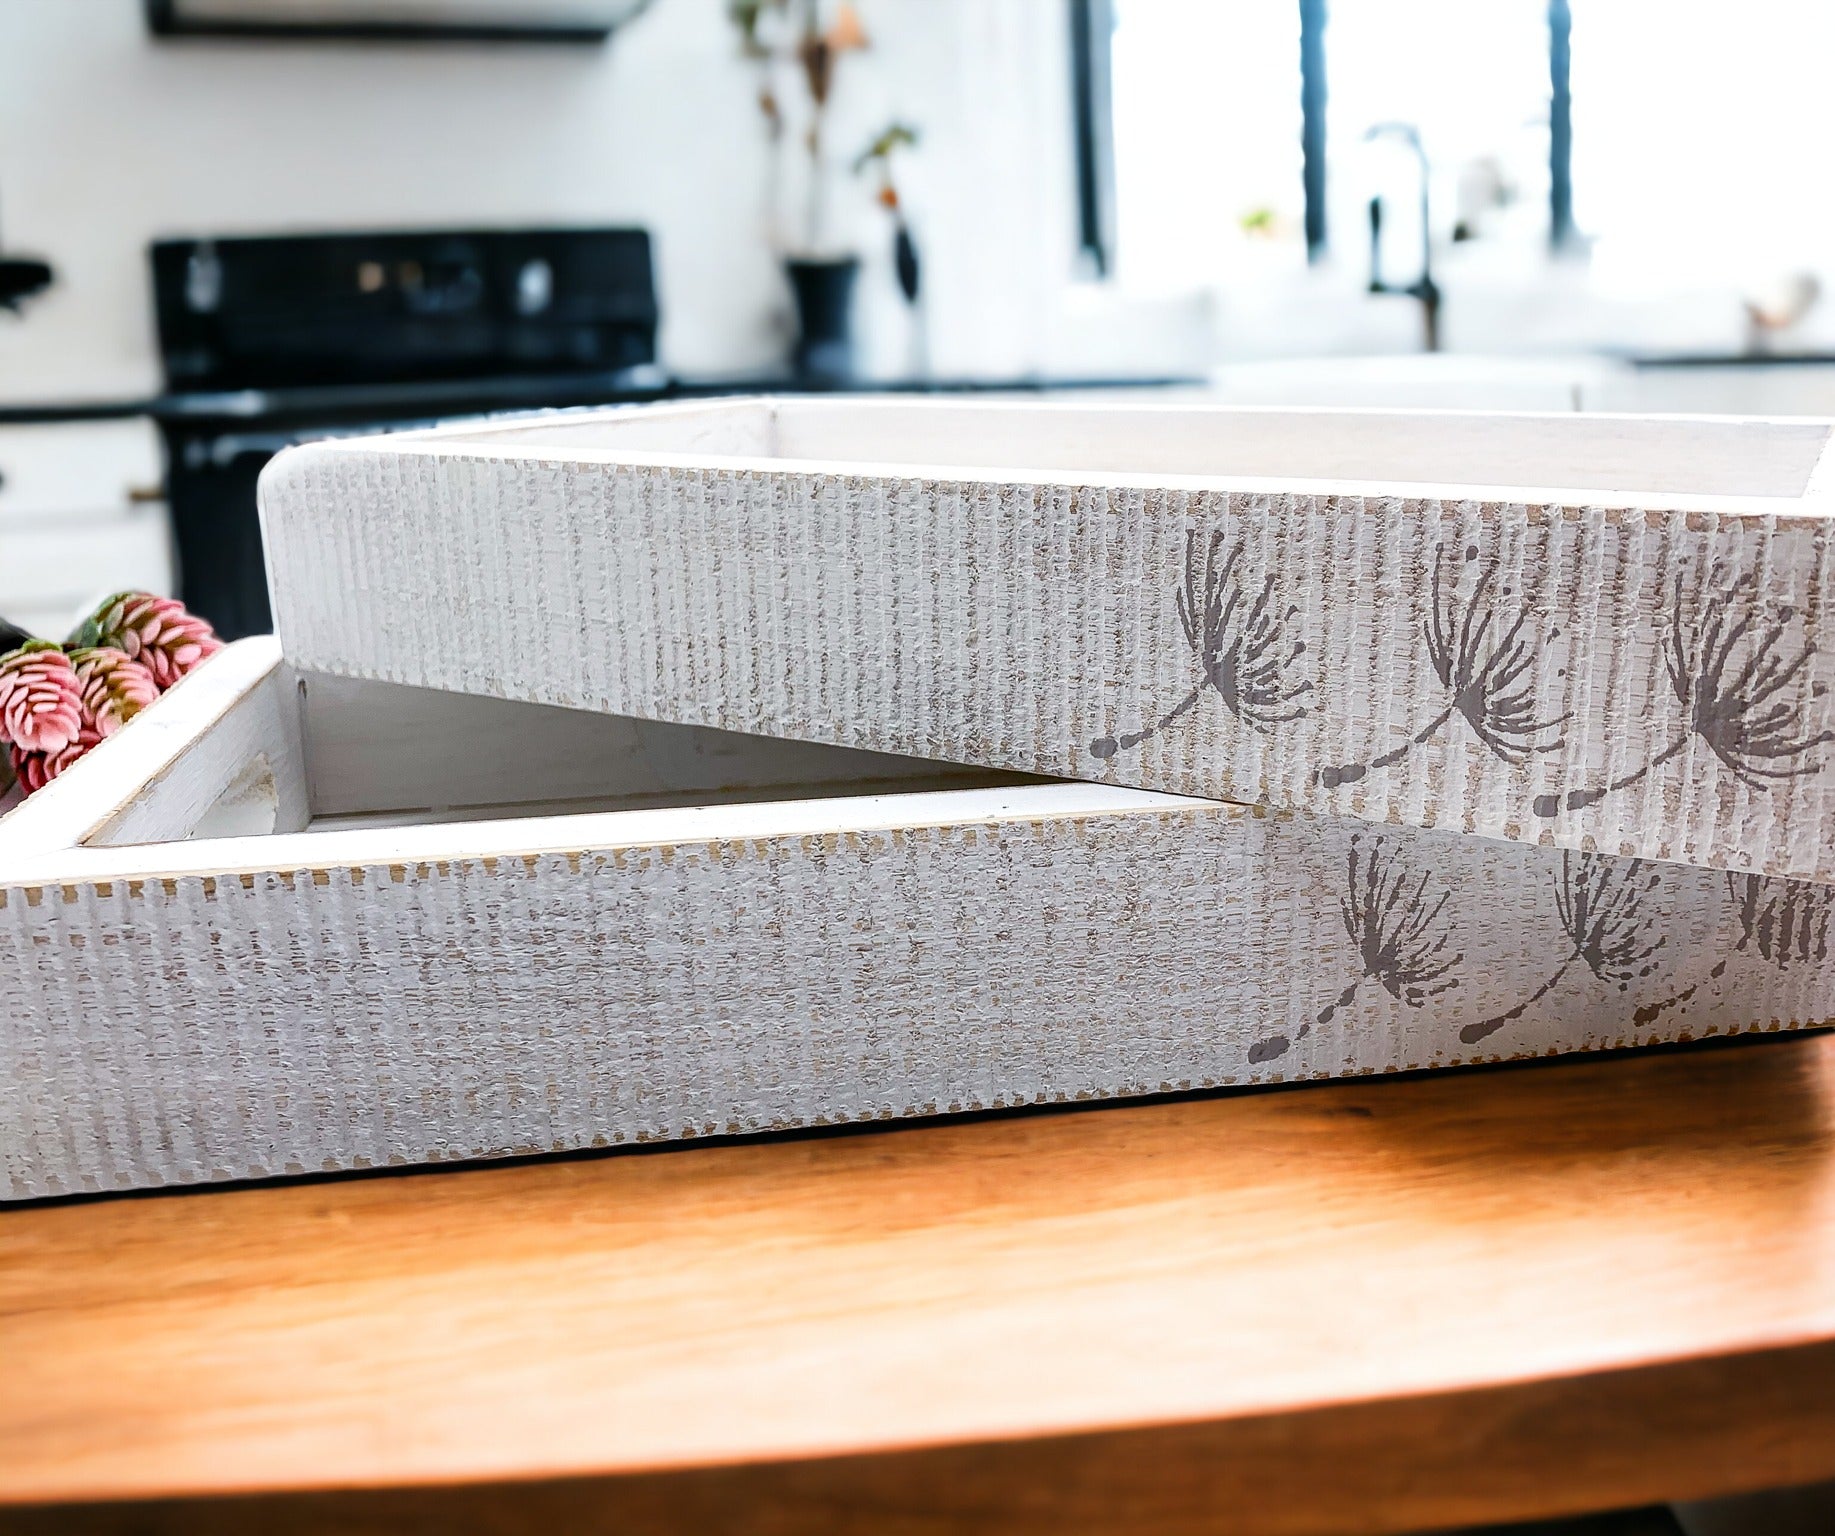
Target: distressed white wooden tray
<point>391,964</point>
<point>1597,632</point>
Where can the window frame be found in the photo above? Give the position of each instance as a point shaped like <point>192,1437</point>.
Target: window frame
<point>1092,27</point>
<point>1092,31</point>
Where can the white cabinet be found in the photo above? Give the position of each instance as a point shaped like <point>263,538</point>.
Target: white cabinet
<point>80,517</point>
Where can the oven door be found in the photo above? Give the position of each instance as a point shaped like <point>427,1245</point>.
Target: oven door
<point>210,484</point>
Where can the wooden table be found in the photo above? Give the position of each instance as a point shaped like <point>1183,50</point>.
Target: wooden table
<point>1368,1306</point>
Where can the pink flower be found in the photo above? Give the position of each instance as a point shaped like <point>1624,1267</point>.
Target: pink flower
<point>34,770</point>
<point>157,632</point>
<point>41,702</point>
<point>114,686</point>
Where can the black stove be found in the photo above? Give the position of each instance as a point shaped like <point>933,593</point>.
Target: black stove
<point>273,340</point>
<point>276,340</point>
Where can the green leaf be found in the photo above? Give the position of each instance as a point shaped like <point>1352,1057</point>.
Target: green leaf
<point>894,136</point>
<point>90,632</point>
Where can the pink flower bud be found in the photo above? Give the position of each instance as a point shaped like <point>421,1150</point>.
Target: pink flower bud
<point>114,686</point>
<point>41,702</point>
<point>157,632</point>
<point>34,770</point>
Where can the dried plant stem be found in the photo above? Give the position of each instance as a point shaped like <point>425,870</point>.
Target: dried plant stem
<point>1350,773</point>
<point>1579,799</point>
<point>1108,746</point>
<point>1343,1000</point>
<point>1473,1033</point>
<point>1279,1045</point>
<point>1651,1011</point>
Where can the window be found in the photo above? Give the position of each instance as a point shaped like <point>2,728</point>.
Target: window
<point>1206,129</point>
<point>1471,84</point>
<point>1245,136</point>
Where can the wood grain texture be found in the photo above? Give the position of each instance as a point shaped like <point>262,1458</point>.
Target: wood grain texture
<point>1631,654</point>
<point>1369,1307</point>
<point>239,1007</point>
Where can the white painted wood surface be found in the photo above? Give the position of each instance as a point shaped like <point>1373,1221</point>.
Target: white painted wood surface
<point>383,748</point>
<point>206,1008</point>
<point>255,741</point>
<point>163,771</point>
<point>1602,633</point>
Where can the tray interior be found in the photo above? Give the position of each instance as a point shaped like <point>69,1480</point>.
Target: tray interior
<point>380,754</point>
<point>1699,456</point>
<point>383,752</point>
<point>248,766</point>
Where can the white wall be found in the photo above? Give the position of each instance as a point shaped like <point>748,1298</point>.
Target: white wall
<point>109,139</point>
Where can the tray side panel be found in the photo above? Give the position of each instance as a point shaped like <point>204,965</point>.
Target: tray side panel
<point>172,1031</point>
<point>253,747</point>
<point>1647,683</point>
<point>380,747</point>
<point>229,726</point>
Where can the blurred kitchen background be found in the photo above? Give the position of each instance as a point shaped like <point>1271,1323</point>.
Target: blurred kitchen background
<point>226,225</point>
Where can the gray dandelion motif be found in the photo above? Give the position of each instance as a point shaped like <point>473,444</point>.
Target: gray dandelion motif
<point>1487,667</point>
<point>1397,923</point>
<point>1739,689</point>
<point>1242,639</point>
<point>1600,903</point>
<point>1784,922</point>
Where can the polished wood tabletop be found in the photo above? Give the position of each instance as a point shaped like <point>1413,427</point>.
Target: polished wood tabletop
<point>1364,1306</point>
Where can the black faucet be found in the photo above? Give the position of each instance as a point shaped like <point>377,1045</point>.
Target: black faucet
<point>1423,288</point>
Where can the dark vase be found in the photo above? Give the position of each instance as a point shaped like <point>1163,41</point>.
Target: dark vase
<point>825,316</point>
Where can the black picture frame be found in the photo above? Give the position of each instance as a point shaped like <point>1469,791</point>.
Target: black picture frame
<point>165,20</point>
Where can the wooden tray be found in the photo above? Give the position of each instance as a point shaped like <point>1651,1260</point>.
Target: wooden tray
<point>281,924</point>
<point>1598,632</point>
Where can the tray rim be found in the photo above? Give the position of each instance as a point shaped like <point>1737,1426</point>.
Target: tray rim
<point>48,840</point>
<point>472,441</point>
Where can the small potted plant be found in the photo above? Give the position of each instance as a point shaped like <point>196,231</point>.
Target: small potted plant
<point>804,41</point>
